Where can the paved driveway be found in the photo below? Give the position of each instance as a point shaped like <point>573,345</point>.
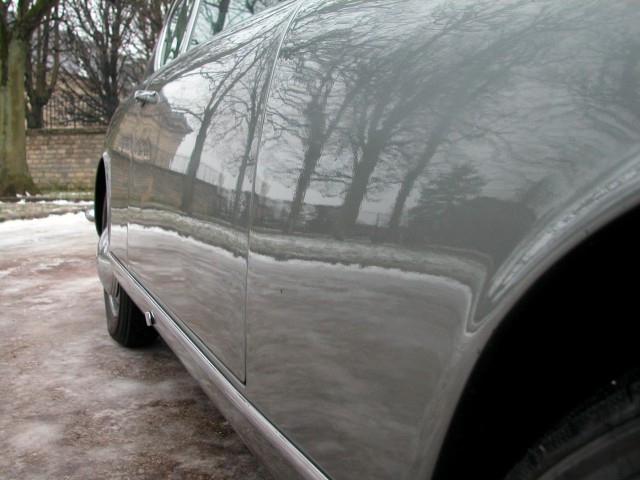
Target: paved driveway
<point>73,404</point>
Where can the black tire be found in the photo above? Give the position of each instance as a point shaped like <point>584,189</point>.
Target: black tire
<point>599,440</point>
<point>125,321</point>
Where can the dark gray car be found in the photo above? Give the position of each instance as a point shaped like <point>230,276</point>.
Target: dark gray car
<point>390,238</point>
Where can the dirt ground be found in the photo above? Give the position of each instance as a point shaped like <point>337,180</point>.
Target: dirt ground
<point>74,404</point>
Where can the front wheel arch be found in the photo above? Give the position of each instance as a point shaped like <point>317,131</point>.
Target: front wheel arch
<point>100,192</point>
<point>571,335</point>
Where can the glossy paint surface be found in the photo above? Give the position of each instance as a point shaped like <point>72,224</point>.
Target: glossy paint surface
<point>191,183</point>
<point>119,145</point>
<point>420,165</point>
<point>412,152</point>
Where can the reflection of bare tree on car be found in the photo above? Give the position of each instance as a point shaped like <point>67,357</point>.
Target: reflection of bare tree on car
<point>365,223</point>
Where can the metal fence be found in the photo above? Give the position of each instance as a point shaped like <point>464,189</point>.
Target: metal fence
<point>71,111</point>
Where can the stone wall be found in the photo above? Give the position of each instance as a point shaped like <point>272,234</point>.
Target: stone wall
<point>64,158</point>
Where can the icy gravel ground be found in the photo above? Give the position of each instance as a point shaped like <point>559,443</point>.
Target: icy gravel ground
<point>75,405</point>
<point>36,208</point>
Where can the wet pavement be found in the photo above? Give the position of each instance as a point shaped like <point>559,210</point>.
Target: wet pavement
<point>74,404</point>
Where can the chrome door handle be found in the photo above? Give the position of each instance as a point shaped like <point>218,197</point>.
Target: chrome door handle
<point>146,96</point>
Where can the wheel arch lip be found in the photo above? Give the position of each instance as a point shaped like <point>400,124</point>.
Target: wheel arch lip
<point>102,189</point>
<point>609,197</point>
<point>103,257</point>
<point>595,206</point>
<point>99,191</point>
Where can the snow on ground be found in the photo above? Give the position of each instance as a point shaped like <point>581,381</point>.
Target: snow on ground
<point>24,227</point>
<point>38,208</point>
<point>65,202</point>
<point>74,404</point>
<point>68,230</point>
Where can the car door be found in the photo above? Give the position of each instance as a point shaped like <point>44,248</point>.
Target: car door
<point>191,186</point>
<point>348,317</point>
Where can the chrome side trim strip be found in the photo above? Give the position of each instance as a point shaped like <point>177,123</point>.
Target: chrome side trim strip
<point>274,449</point>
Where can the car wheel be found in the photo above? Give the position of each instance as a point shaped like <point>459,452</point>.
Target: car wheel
<point>600,440</point>
<point>125,321</point>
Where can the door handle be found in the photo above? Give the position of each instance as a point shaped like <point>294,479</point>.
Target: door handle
<point>146,96</point>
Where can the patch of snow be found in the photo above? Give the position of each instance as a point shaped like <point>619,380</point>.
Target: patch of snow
<point>59,222</point>
<point>66,202</point>
<point>67,230</point>
<point>53,263</point>
<point>8,271</point>
<point>36,436</point>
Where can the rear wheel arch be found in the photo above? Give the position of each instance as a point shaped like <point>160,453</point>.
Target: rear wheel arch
<point>569,336</point>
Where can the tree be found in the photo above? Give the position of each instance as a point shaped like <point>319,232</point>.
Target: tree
<point>17,22</point>
<point>246,60</point>
<point>108,44</point>
<point>42,67</point>
<point>148,23</point>
<point>97,68</point>
<point>314,85</point>
<point>440,194</point>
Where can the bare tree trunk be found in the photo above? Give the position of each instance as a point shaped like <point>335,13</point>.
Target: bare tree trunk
<point>405,189</point>
<point>196,154</point>
<point>318,135</point>
<point>194,160</point>
<point>222,15</point>
<point>41,68</point>
<point>358,189</point>
<point>257,103</point>
<point>14,172</point>
<point>244,163</point>
<point>311,158</point>
<point>412,175</point>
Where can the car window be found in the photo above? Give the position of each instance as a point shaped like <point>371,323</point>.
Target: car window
<point>215,15</point>
<point>175,31</point>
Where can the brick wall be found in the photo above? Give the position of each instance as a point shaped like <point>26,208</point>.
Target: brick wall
<point>64,158</point>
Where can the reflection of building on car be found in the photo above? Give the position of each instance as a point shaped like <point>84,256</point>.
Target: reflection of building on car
<point>377,231</point>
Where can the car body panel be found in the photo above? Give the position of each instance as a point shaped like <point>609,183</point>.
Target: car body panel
<point>191,182</point>
<point>408,169</point>
<point>421,166</point>
<point>280,455</point>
